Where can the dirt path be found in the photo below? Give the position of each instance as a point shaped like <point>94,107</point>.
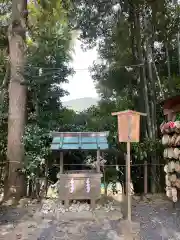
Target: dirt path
<point>158,222</point>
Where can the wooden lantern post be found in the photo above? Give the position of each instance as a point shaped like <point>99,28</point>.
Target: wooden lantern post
<point>128,131</point>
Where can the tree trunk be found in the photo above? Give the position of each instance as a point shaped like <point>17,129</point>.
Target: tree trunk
<point>168,67</point>
<point>166,47</point>
<point>162,94</point>
<point>17,100</point>
<point>149,57</point>
<point>143,79</point>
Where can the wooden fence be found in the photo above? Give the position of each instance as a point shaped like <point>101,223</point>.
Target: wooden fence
<point>143,175</point>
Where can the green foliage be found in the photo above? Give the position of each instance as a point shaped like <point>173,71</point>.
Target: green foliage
<point>111,175</point>
<point>48,54</point>
<point>112,26</point>
<point>37,148</point>
<point>142,150</point>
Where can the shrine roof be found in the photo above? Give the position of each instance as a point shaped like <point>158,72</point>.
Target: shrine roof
<point>79,140</point>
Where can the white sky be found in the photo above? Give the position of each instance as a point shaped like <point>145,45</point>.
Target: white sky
<point>81,84</point>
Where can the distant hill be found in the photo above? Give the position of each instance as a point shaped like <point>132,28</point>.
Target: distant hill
<point>80,104</point>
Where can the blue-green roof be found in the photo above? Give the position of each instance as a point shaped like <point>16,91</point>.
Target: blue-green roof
<point>79,140</point>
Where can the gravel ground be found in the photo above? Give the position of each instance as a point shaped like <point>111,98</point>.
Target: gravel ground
<point>159,221</point>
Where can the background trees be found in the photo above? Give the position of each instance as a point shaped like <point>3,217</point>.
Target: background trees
<point>138,66</point>
<point>139,54</point>
<point>37,51</point>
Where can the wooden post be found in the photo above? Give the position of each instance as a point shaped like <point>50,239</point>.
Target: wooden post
<point>61,162</point>
<point>98,161</point>
<point>128,181</point>
<point>145,178</point>
<point>128,167</point>
<point>128,131</point>
<point>46,177</point>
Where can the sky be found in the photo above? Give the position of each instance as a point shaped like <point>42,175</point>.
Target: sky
<point>81,84</point>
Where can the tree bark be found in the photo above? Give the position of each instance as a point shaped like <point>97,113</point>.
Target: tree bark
<point>149,57</point>
<point>166,47</point>
<point>17,99</point>
<point>168,67</point>
<point>135,44</point>
<point>162,94</point>
<point>142,71</point>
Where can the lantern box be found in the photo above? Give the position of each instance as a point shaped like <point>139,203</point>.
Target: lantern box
<point>128,125</point>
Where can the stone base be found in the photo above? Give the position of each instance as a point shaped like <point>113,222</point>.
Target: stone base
<point>129,230</point>
<point>75,216</point>
<point>111,215</point>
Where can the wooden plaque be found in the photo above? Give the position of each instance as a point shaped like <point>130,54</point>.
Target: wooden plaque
<point>129,127</point>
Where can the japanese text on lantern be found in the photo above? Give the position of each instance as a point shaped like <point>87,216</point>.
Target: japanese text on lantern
<point>128,127</point>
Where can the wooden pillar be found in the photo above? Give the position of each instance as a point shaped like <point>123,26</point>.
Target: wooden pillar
<point>104,177</point>
<point>145,178</point>
<point>61,162</point>
<point>98,161</point>
<point>46,176</point>
<point>128,181</point>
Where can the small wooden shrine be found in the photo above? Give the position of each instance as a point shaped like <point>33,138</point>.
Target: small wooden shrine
<point>81,184</point>
<point>170,130</point>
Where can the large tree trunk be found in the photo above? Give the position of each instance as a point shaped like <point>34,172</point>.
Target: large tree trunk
<point>17,99</point>
<point>149,56</point>
<point>143,81</point>
<point>149,102</point>
<point>166,47</point>
<point>136,58</point>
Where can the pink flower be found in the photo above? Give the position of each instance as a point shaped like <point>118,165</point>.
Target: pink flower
<point>171,124</point>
